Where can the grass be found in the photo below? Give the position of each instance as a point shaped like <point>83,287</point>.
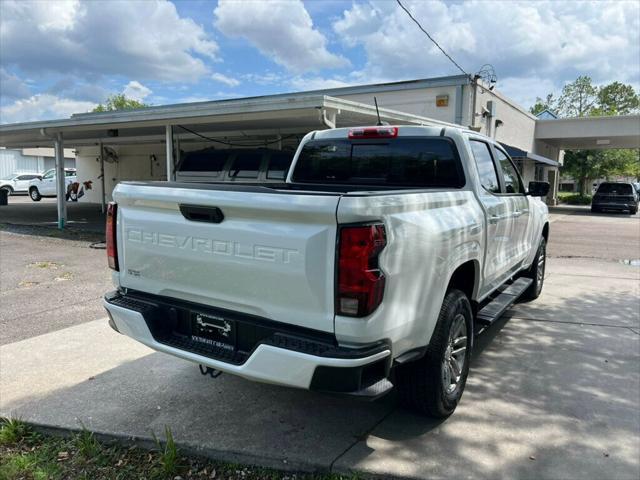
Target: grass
<point>28,454</point>
<point>46,265</point>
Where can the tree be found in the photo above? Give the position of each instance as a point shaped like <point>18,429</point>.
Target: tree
<point>581,99</point>
<point>119,102</point>
<point>549,103</point>
<point>578,98</point>
<point>588,165</point>
<point>616,99</point>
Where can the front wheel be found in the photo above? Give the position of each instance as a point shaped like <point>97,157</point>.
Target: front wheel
<point>536,273</point>
<point>35,194</point>
<point>434,384</point>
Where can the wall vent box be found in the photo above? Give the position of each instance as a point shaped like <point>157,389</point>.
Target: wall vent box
<point>442,101</point>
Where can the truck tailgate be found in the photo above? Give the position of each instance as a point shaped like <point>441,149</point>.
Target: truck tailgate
<point>272,255</point>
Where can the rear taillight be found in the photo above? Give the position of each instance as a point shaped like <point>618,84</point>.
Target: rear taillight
<point>112,246</point>
<point>360,280</point>
<point>373,132</point>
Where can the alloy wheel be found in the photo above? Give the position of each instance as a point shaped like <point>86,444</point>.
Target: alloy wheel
<point>455,355</point>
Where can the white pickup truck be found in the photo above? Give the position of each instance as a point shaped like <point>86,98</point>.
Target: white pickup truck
<point>373,265</point>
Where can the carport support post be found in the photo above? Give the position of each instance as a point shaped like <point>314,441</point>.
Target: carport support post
<point>102,194</point>
<point>61,193</point>
<point>170,162</point>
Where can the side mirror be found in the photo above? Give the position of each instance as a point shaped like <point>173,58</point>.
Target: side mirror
<point>538,189</point>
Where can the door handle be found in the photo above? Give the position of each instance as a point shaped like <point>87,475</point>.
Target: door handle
<point>197,213</point>
<point>493,219</point>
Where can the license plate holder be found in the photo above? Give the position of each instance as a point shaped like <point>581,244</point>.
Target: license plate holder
<point>213,330</point>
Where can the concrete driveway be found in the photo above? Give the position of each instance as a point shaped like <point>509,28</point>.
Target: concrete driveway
<point>554,390</point>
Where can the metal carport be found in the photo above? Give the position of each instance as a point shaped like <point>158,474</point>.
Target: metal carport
<point>238,120</point>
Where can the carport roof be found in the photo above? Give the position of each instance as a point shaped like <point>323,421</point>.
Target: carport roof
<point>247,117</point>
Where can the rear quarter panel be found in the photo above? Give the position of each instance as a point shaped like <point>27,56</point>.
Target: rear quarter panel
<point>429,234</point>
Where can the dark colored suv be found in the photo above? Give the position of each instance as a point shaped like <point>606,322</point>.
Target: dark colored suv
<point>615,196</point>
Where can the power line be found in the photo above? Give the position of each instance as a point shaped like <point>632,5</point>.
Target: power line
<point>230,144</point>
<point>431,38</point>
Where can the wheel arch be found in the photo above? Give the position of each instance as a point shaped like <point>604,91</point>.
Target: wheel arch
<point>466,278</point>
<point>545,232</point>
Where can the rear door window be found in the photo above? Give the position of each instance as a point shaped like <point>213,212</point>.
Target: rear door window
<point>486,167</point>
<point>615,189</point>
<point>402,162</point>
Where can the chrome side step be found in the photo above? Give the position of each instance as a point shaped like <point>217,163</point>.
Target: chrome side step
<point>496,307</point>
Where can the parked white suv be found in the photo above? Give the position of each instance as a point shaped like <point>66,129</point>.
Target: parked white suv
<point>45,185</point>
<point>17,182</point>
<point>377,261</point>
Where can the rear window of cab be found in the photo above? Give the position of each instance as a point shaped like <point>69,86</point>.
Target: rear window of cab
<point>402,162</point>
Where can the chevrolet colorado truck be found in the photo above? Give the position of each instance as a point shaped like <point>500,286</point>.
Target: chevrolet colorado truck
<point>374,264</point>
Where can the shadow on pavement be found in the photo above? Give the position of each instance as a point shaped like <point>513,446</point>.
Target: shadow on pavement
<point>544,399</point>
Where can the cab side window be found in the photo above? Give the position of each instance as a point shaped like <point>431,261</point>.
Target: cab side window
<point>49,174</point>
<point>509,173</point>
<point>486,167</point>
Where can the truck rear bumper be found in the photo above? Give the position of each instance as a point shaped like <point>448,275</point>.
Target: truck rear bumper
<point>276,364</point>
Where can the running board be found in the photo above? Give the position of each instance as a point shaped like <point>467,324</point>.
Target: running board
<point>373,392</point>
<point>496,307</point>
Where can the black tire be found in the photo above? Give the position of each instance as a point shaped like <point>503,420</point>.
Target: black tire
<point>536,273</point>
<point>35,194</point>
<point>9,191</point>
<point>421,384</point>
<point>633,211</point>
<point>594,209</point>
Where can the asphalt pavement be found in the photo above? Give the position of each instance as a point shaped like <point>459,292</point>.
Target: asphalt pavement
<point>554,389</point>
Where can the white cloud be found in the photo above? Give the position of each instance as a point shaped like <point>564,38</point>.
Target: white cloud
<point>42,107</point>
<point>136,91</point>
<point>281,30</point>
<point>141,39</point>
<point>316,83</point>
<point>531,44</point>
<point>11,86</point>
<point>231,82</point>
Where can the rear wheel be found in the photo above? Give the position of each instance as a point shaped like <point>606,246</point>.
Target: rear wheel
<point>434,384</point>
<point>536,272</point>
<point>35,194</point>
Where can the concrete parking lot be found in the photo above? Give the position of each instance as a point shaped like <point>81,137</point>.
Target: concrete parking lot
<point>554,390</point>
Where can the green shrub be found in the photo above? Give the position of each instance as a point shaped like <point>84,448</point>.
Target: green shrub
<point>575,199</point>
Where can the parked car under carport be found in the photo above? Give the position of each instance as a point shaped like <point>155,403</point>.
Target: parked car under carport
<point>17,183</point>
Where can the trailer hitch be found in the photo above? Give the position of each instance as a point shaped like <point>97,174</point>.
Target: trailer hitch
<point>212,372</point>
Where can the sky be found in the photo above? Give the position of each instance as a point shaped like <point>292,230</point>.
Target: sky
<point>60,57</point>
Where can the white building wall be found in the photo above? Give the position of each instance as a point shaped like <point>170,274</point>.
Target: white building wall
<point>15,161</point>
<point>420,101</point>
<point>134,163</point>
<point>518,126</point>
